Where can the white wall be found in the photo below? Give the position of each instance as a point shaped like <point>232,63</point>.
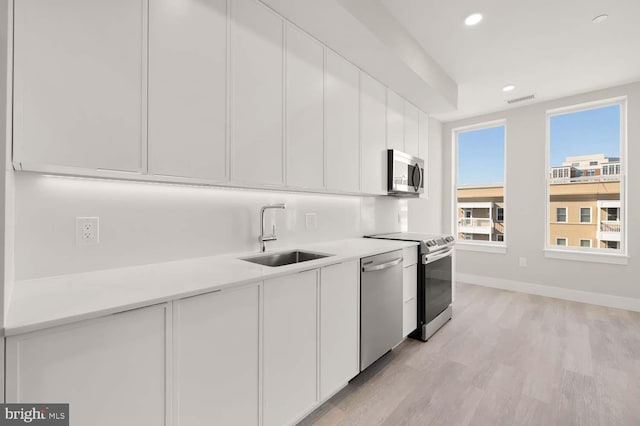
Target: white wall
<point>146,223</point>
<point>425,214</point>
<point>526,205</point>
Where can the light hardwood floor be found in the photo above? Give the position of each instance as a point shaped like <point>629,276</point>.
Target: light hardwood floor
<point>505,359</point>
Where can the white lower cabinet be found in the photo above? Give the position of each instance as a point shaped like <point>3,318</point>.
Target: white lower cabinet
<point>110,370</point>
<point>409,291</point>
<point>339,326</point>
<point>290,348</point>
<point>215,358</point>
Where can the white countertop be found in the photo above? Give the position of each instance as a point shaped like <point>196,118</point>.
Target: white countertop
<point>46,302</point>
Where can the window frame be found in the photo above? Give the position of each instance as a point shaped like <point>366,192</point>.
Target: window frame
<point>582,253</point>
<point>566,215</point>
<point>498,214</point>
<point>476,245</point>
<point>566,242</point>
<point>590,216</point>
<point>586,239</point>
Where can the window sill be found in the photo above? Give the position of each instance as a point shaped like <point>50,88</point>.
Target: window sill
<point>481,247</point>
<point>611,258</point>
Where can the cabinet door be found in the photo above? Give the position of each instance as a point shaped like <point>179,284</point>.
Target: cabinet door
<point>373,142</point>
<point>187,88</point>
<point>341,114</point>
<point>111,370</point>
<point>290,348</point>
<point>216,358</point>
<point>80,84</point>
<point>395,121</point>
<point>256,93</point>
<point>304,106</point>
<point>339,326</point>
<point>409,298</point>
<point>411,130</point>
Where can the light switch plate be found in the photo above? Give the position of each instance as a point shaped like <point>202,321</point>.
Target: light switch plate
<point>87,231</point>
<point>311,220</point>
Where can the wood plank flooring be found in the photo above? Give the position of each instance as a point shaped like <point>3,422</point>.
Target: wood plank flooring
<point>505,359</point>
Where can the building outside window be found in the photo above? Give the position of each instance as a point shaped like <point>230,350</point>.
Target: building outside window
<point>589,142</point>
<point>479,187</point>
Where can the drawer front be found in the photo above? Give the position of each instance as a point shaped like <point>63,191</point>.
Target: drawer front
<point>410,255</point>
<point>409,282</point>
<point>409,316</point>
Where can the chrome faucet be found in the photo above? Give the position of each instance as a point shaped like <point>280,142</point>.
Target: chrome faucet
<point>263,238</point>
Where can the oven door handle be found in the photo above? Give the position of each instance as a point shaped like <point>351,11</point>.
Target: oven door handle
<point>382,266</point>
<point>429,259</point>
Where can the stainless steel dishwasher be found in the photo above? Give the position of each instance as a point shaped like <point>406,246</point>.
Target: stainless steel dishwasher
<point>380,305</point>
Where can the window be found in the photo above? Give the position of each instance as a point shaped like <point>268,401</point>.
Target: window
<point>585,214</point>
<point>479,162</point>
<point>499,237</point>
<point>612,245</point>
<point>591,139</point>
<point>561,214</point>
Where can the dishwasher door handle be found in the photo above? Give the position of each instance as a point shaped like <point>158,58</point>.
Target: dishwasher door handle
<point>381,266</point>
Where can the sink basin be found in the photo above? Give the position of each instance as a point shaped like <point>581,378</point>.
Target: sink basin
<point>285,258</point>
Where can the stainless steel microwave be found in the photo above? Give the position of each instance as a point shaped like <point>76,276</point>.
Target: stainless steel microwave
<point>405,174</point>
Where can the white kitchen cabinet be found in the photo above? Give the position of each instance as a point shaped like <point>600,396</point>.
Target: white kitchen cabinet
<point>305,113</point>
<point>187,88</point>
<point>110,370</point>
<point>80,84</point>
<point>290,347</point>
<point>339,326</point>
<point>215,358</point>
<point>395,121</point>
<point>411,130</point>
<point>341,124</point>
<point>256,129</point>
<point>424,150</point>
<point>373,138</point>
<point>409,290</point>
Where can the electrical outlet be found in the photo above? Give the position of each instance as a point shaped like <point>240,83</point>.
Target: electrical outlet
<point>311,220</point>
<point>523,262</point>
<point>87,231</point>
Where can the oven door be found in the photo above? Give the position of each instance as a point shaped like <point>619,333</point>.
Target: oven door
<point>406,173</point>
<point>437,277</point>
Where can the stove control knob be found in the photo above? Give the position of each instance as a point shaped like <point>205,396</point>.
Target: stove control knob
<point>431,243</point>
<point>449,239</point>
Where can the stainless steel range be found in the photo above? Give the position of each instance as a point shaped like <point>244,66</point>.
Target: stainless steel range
<point>434,283</point>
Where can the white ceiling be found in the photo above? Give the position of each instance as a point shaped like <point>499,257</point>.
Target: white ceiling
<point>546,47</point>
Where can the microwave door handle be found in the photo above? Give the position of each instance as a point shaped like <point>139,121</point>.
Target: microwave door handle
<point>416,167</point>
<point>421,177</point>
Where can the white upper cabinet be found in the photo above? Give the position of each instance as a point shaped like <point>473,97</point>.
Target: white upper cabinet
<point>187,88</point>
<point>304,107</point>
<point>257,56</point>
<point>290,347</point>
<point>118,361</point>
<point>411,132</point>
<point>373,138</point>
<point>395,121</point>
<point>339,326</point>
<point>341,124</point>
<point>80,84</point>
<point>215,358</point>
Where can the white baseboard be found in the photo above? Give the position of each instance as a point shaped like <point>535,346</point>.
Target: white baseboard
<point>628,303</point>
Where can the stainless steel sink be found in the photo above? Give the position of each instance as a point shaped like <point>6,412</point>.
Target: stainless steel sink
<point>285,258</point>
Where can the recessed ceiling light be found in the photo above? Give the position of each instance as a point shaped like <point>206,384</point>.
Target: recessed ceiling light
<point>600,18</point>
<point>473,19</point>
<point>508,88</point>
